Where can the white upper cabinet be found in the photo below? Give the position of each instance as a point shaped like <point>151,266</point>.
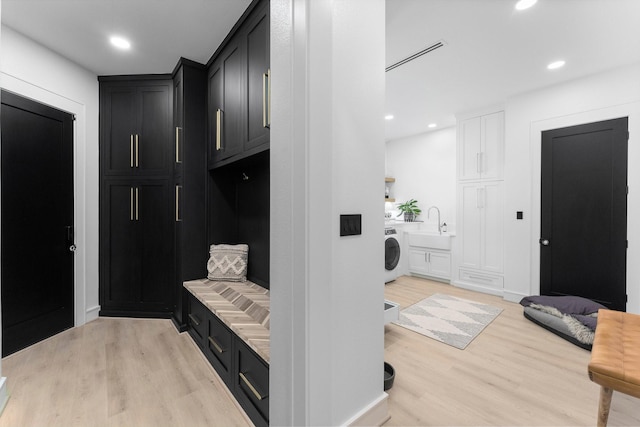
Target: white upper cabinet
<point>481,147</point>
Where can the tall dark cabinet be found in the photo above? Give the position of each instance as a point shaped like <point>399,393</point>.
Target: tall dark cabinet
<point>136,203</point>
<point>189,180</point>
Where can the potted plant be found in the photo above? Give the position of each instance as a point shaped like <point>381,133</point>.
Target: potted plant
<point>410,210</point>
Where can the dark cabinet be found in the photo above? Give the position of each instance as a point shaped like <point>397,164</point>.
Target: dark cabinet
<point>238,83</point>
<point>226,102</point>
<point>242,370</point>
<point>136,198</point>
<point>136,256</point>
<point>189,180</point>
<point>251,383</point>
<point>135,127</point>
<point>258,79</point>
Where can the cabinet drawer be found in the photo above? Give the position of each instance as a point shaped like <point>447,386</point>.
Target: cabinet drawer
<point>252,384</point>
<point>217,347</point>
<point>482,279</point>
<point>197,320</point>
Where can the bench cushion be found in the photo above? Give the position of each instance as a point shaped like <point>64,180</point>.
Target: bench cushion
<point>615,357</point>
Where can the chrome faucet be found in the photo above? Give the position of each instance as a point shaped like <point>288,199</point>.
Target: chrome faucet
<point>439,224</point>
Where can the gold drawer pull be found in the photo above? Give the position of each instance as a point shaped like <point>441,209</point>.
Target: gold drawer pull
<point>253,389</point>
<point>194,319</point>
<point>216,345</point>
<point>178,189</point>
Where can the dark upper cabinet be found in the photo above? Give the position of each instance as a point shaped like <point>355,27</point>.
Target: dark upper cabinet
<point>135,129</point>
<point>238,83</point>
<point>258,76</point>
<point>136,255</point>
<point>227,103</point>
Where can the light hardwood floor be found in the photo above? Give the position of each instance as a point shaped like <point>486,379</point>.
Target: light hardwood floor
<point>141,372</point>
<point>514,373</point>
<point>116,372</point>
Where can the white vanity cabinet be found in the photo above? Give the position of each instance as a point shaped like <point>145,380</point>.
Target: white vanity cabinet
<point>430,255</point>
<point>429,262</point>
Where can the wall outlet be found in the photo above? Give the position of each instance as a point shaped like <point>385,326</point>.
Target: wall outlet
<point>350,225</point>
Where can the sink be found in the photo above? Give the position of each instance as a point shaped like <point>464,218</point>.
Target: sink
<point>432,240</point>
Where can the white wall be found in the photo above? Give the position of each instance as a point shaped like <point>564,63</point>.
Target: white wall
<point>327,156</point>
<point>424,167</point>
<point>35,72</point>
<point>600,97</point>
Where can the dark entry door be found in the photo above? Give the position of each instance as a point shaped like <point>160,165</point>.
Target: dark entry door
<point>37,220</point>
<point>583,242</point>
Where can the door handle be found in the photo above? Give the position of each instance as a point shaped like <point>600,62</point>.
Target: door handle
<point>178,188</point>
<point>544,242</point>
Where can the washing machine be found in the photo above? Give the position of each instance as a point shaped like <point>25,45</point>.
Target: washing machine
<point>392,254</point>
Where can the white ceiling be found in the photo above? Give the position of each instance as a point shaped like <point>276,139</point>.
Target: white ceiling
<point>160,31</point>
<point>492,51</point>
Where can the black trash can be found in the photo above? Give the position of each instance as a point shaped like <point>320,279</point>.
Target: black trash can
<point>389,375</point>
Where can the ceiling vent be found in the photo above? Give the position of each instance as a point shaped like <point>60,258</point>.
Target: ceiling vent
<point>431,48</point>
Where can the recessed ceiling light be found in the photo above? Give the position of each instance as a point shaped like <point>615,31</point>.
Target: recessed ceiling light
<point>555,65</point>
<point>120,43</point>
<point>432,125</point>
<point>388,117</point>
<point>525,4</point>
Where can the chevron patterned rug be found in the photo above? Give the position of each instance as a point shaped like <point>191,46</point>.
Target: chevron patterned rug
<point>448,319</point>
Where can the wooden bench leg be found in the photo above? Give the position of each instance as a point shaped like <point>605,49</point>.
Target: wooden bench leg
<point>603,407</point>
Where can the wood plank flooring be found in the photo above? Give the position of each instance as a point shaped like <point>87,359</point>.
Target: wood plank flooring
<point>141,372</point>
<point>514,373</point>
<point>116,372</point>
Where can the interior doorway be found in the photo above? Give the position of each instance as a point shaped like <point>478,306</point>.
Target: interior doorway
<point>37,222</point>
<point>583,240</point>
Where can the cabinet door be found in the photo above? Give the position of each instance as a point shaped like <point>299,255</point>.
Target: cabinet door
<point>469,143</point>
<point>257,40</point>
<point>492,149</point>
<point>492,227</point>
<point>153,140</point>
<point>440,264</point>
<point>227,103</point>
<point>155,240</point>
<point>418,261</point>
<point>119,251</point>
<point>470,225</point>
<point>118,122</point>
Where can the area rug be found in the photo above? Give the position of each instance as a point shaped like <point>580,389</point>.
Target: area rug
<point>448,319</point>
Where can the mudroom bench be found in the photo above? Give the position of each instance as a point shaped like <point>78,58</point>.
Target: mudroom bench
<point>229,321</point>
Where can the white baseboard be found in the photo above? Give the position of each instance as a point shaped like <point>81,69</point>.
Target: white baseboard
<point>92,313</point>
<point>375,414</point>
<point>4,395</point>
<point>478,288</point>
<point>513,296</point>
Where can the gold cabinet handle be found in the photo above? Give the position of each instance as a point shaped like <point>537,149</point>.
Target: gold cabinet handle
<point>264,100</point>
<point>137,145</point>
<point>255,392</point>
<point>178,130</point>
<point>216,345</point>
<point>131,204</point>
<point>194,319</point>
<point>218,129</point>
<point>178,189</point>
<point>137,203</point>
<point>131,150</point>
